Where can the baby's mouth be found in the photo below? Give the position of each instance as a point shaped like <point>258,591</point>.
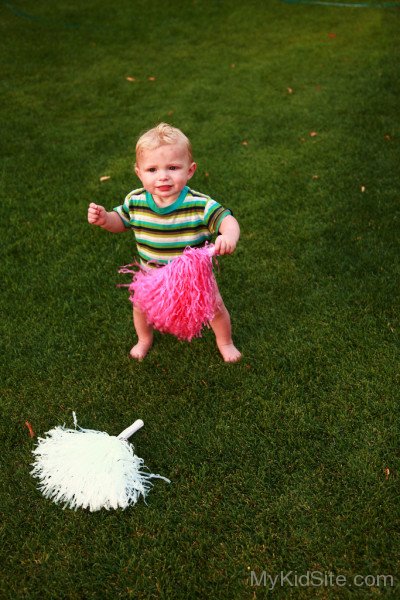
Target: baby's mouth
<point>164,188</point>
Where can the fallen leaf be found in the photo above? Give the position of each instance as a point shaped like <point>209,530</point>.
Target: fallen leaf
<point>29,426</point>
<point>151,78</point>
<point>206,174</point>
<point>245,143</point>
<point>315,176</point>
<point>170,113</point>
<point>332,35</point>
<point>289,90</point>
<point>105,178</point>
<point>387,472</point>
<point>130,78</point>
<point>388,137</point>
<point>232,65</point>
<point>313,134</point>
<point>362,188</point>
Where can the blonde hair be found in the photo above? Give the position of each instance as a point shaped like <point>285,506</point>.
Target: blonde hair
<point>160,135</point>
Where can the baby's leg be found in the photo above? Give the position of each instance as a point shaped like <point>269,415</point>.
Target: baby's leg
<point>145,335</point>
<point>221,325</point>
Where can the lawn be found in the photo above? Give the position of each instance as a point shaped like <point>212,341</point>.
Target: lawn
<point>287,464</point>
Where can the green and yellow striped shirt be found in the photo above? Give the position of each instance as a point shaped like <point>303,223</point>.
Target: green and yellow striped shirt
<point>162,234</point>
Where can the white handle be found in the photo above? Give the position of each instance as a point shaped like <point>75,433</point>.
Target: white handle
<point>126,433</point>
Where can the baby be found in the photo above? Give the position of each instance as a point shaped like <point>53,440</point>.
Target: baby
<point>167,216</point>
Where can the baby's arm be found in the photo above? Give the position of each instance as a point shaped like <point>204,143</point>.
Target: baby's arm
<point>229,233</point>
<point>97,215</point>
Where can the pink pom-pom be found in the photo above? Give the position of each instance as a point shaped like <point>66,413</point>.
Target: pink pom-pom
<point>180,297</point>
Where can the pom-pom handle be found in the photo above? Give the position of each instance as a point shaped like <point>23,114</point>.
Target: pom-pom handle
<point>126,433</point>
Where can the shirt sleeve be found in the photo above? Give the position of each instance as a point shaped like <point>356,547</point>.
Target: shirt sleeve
<point>214,214</point>
<point>124,213</point>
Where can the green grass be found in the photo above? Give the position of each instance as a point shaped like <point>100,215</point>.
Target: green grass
<point>276,463</point>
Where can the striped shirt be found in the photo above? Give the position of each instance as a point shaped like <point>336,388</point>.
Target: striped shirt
<point>162,234</point>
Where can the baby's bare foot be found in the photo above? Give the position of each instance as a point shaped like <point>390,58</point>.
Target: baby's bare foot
<point>229,352</point>
<point>139,351</point>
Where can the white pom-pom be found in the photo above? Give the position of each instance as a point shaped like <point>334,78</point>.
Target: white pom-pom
<point>84,468</point>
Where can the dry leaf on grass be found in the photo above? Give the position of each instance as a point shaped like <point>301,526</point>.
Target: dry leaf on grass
<point>105,178</point>
<point>29,426</point>
<point>130,78</point>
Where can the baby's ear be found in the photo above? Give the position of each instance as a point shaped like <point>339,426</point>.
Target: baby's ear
<point>192,170</point>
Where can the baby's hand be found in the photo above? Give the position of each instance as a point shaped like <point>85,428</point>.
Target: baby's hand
<point>97,215</point>
<point>225,244</point>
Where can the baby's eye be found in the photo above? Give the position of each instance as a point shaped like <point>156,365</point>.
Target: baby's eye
<point>173,168</point>
<point>152,170</point>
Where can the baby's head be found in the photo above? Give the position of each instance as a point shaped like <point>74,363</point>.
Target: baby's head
<point>164,162</point>
<point>162,135</point>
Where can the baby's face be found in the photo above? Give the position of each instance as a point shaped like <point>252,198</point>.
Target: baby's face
<point>165,171</point>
